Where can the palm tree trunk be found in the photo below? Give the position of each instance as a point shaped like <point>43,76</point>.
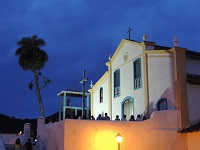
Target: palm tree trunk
<point>36,79</point>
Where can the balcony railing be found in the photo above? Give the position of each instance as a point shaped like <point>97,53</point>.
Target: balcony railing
<point>117,91</point>
<point>138,83</point>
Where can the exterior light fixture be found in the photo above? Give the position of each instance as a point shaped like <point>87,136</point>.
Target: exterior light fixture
<point>118,140</point>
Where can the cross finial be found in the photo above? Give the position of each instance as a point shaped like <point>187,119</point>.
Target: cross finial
<point>175,41</point>
<point>91,85</point>
<point>129,33</point>
<point>145,37</point>
<point>110,56</point>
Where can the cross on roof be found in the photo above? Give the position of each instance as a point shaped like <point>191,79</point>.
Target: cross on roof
<point>129,33</point>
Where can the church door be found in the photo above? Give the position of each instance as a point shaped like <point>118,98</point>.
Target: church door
<point>127,108</point>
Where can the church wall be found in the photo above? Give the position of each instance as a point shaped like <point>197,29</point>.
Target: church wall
<point>101,108</point>
<point>127,89</point>
<point>126,80</point>
<point>159,132</point>
<point>193,66</point>
<point>193,102</point>
<point>160,80</point>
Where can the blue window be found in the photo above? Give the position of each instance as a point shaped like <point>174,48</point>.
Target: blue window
<point>117,83</point>
<point>101,95</point>
<point>137,73</point>
<point>162,104</point>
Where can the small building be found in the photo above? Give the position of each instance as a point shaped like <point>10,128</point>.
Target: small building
<point>71,109</point>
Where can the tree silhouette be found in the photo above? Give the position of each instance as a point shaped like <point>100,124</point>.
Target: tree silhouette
<point>33,58</point>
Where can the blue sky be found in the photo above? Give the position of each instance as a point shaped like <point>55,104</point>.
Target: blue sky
<point>81,34</point>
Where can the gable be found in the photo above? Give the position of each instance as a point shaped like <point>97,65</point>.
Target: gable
<point>126,51</point>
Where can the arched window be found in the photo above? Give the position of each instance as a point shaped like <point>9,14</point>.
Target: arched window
<point>137,73</point>
<point>162,104</point>
<point>127,106</point>
<point>101,95</point>
<point>117,83</point>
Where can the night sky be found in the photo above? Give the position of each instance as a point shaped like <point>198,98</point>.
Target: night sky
<point>80,35</point>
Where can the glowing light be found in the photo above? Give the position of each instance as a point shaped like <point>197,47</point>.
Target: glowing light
<point>118,138</point>
<point>19,133</point>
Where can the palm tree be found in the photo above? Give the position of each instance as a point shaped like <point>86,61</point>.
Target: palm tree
<point>32,57</point>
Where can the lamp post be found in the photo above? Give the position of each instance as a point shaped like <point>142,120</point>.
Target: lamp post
<point>118,138</point>
<point>83,95</point>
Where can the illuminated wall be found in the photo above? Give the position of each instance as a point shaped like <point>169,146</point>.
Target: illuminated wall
<point>193,141</point>
<point>157,133</point>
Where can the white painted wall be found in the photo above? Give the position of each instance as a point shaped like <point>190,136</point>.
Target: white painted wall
<point>126,79</point>
<point>51,136</point>
<point>193,102</point>
<point>101,108</point>
<point>160,79</point>
<point>23,137</point>
<point>2,144</point>
<point>193,67</point>
<point>127,89</point>
<point>6,137</point>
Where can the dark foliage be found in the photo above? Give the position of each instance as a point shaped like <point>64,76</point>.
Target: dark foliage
<point>52,118</point>
<point>14,125</point>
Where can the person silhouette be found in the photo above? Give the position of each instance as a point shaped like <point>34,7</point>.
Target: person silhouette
<point>117,118</point>
<point>106,117</point>
<point>99,117</point>
<point>28,145</point>
<point>124,118</point>
<point>92,118</point>
<point>17,144</point>
<point>132,118</point>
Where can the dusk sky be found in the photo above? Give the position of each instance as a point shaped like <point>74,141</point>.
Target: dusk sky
<point>80,35</point>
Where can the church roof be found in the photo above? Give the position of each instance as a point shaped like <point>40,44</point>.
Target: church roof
<point>193,79</point>
<point>189,53</point>
<point>190,129</point>
<point>193,54</point>
<point>158,47</point>
<point>73,91</point>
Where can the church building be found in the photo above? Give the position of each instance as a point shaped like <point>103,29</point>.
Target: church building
<point>143,77</point>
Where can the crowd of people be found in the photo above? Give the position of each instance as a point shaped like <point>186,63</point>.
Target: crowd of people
<point>132,118</point>
<point>27,145</point>
<point>106,117</point>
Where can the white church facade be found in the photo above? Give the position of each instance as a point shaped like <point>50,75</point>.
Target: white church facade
<point>143,77</point>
